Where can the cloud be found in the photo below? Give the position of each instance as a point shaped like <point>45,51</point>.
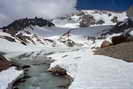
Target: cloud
<point>14,9</point>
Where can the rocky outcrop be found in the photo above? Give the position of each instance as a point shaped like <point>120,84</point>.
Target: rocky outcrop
<point>130,11</point>
<point>119,39</point>
<point>58,71</point>
<point>4,63</point>
<point>120,27</point>
<point>100,22</point>
<point>105,44</point>
<point>8,38</point>
<point>87,20</point>
<point>124,37</point>
<point>114,19</point>
<point>65,39</point>
<point>123,51</point>
<point>23,23</point>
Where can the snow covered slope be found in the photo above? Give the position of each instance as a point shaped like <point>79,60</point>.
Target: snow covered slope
<point>86,18</point>
<point>72,49</point>
<point>7,76</point>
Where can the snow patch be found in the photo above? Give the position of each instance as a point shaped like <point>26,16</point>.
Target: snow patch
<point>8,76</point>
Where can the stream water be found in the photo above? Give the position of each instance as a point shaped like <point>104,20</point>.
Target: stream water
<point>36,75</point>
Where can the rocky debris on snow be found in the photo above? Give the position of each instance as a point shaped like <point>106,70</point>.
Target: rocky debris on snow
<point>87,18</point>
<point>100,22</point>
<point>4,63</point>
<point>18,32</point>
<point>57,70</point>
<point>65,39</point>
<point>114,19</point>
<point>8,38</point>
<point>24,39</point>
<point>130,11</point>
<point>23,23</point>
<point>121,27</point>
<point>123,51</point>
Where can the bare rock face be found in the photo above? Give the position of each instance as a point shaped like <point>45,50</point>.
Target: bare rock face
<point>119,39</point>
<point>4,63</point>
<point>114,19</point>
<point>58,71</point>
<point>124,37</point>
<point>106,44</point>
<point>122,51</point>
<point>87,20</point>
<point>23,23</point>
<point>130,11</point>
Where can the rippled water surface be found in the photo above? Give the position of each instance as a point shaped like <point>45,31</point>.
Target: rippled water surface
<point>36,75</point>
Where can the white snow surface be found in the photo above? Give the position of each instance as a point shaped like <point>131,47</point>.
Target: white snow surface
<point>73,21</point>
<point>100,72</point>
<point>8,76</point>
<point>91,71</point>
<point>88,71</point>
<point>131,33</point>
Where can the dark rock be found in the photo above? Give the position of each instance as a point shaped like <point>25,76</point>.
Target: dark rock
<point>26,66</point>
<point>100,22</point>
<point>119,39</point>
<point>8,38</point>
<point>70,43</point>
<point>120,27</point>
<point>20,24</point>
<point>124,37</point>
<point>87,20</point>
<point>58,71</point>
<point>130,11</point>
<point>109,14</point>
<point>114,19</point>
<point>81,13</point>
<point>4,63</point>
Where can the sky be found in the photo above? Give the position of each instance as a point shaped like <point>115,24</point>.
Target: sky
<point>116,5</point>
<point>12,10</point>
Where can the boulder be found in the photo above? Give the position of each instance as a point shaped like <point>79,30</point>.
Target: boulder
<point>119,39</point>
<point>57,70</point>
<point>106,44</point>
<point>124,37</point>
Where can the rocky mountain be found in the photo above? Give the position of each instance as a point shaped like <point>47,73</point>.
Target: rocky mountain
<point>86,18</point>
<point>20,31</point>
<point>71,49</point>
<point>23,23</point>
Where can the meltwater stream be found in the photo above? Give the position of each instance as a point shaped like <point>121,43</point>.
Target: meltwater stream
<point>36,75</point>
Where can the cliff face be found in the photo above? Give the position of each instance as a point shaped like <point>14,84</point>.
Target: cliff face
<point>130,11</point>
